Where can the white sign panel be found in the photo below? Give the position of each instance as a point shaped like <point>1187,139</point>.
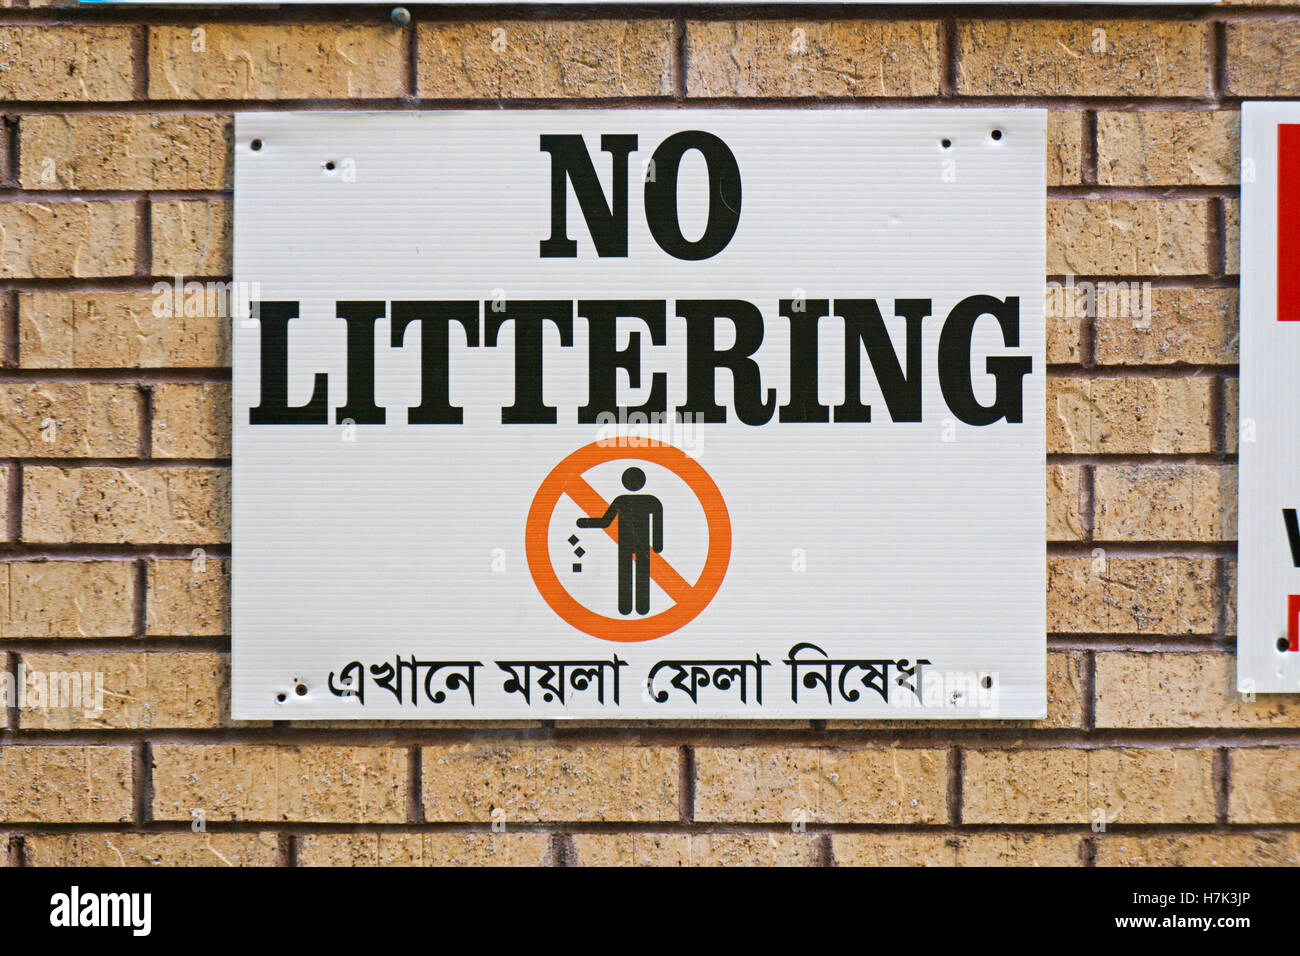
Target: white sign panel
<point>1268,570</point>
<point>640,413</point>
<point>599,3</point>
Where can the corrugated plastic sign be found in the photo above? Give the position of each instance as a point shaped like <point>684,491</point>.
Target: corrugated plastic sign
<point>1268,577</point>
<point>599,3</point>
<point>639,413</point>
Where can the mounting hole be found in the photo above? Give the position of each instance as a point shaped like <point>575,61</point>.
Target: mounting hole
<point>255,145</point>
<point>987,683</point>
<point>945,143</point>
<point>996,134</point>
<point>1283,644</point>
<point>300,690</point>
<point>329,166</point>
<point>281,698</point>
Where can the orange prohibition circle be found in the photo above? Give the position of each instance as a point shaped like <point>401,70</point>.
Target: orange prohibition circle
<point>566,478</point>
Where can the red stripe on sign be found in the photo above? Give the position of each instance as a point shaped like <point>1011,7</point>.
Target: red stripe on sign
<point>1288,227</point>
<point>1293,622</point>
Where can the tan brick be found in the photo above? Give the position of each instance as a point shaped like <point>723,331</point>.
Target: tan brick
<point>467,783</point>
<point>1134,595</point>
<point>191,420</point>
<point>1057,58</point>
<point>1166,502</point>
<point>424,849</point>
<point>1199,849</point>
<point>1157,237</point>
<point>806,58</point>
<point>1063,324</point>
<point>1192,326</point>
<point>1075,302</point>
<point>1064,148</point>
<point>1182,690</point>
<point>822,785</point>
<point>67,599</point>
<point>150,849</point>
<point>1129,415</point>
<point>948,849</point>
<point>1232,237</point>
<point>435,723</point>
<point>65,784</point>
<point>155,690</point>
<point>276,61</point>
<point>1231,414</point>
<point>1264,785</point>
<point>1263,58</point>
<point>495,59</point>
<point>135,151</point>
<point>8,314</point>
<point>66,239</point>
<point>1137,785</point>
<point>694,849</point>
<point>69,420</point>
<point>1230,598</point>
<point>4,505</point>
<point>126,505</point>
<point>121,330</point>
<point>1064,522</point>
<point>1065,690</point>
<point>66,63</point>
<point>188,598</point>
<point>295,784</point>
<point>1168,148</point>
<point>191,237</point>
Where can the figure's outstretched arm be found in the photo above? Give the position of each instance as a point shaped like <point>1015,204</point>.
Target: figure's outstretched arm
<point>604,521</point>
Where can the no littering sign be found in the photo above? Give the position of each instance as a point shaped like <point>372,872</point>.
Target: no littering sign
<point>639,413</point>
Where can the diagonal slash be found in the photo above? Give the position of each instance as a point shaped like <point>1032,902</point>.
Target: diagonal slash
<point>664,574</point>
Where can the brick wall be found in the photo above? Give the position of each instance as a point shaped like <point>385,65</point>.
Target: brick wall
<point>115,171</point>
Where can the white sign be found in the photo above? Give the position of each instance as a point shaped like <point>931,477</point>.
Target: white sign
<point>1268,571</point>
<point>640,413</point>
<point>598,3</point>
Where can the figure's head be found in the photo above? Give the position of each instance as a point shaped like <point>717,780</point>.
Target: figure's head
<point>634,479</point>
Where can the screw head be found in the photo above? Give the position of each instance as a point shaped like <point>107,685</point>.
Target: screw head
<point>400,16</point>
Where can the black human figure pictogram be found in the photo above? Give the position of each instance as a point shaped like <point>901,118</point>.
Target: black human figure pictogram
<point>640,529</point>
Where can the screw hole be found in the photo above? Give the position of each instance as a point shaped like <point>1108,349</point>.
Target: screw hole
<point>946,143</point>
<point>330,166</point>
<point>255,145</point>
<point>996,134</point>
<point>280,698</point>
<point>987,683</point>
<point>1283,644</point>
<point>300,690</point>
